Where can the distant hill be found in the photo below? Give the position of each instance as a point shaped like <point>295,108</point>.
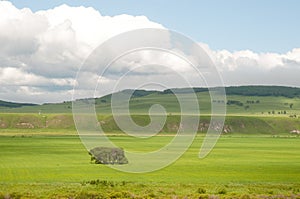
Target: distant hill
<point>270,110</point>
<point>276,91</point>
<point>241,100</point>
<point>14,104</point>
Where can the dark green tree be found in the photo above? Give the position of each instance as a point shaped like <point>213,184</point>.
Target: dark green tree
<point>107,155</point>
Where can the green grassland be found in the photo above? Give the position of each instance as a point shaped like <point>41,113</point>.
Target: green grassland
<point>41,155</point>
<point>238,166</point>
<point>258,159</point>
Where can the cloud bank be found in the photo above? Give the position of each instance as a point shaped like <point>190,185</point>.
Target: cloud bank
<point>40,53</point>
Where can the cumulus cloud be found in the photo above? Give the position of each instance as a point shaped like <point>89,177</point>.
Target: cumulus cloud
<point>40,53</point>
<point>248,67</point>
<point>43,50</point>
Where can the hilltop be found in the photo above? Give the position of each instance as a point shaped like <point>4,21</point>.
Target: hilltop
<point>5,104</point>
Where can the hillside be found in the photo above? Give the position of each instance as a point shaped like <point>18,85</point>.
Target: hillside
<point>242,100</point>
<point>275,91</point>
<point>31,123</point>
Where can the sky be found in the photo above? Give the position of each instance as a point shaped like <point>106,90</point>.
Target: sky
<point>261,26</point>
<point>43,43</point>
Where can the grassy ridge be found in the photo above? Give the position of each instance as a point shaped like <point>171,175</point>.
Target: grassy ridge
<point>233,124</point>
<point>35,121</point>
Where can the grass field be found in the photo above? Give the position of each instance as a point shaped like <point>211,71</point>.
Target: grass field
<point>41,155</point>
<point>239,165</point>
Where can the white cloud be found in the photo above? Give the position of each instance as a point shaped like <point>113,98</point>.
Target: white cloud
<point>40,53</point>
<point>247,67</point>
<point>231,61</point>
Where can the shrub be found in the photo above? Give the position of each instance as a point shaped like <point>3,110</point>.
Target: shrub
<point>88,195</point>
<point>106,155</point>
<point>234,102</point>
<point>122,194</point>
<point>103,183</point>
<point>201,190</point>
<point>245,196</point>
<point>222,191</point>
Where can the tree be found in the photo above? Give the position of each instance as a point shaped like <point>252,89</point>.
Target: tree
<point>107,155</point>
<point>235,102</point>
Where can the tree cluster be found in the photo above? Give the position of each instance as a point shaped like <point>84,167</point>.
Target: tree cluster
<point>107,155</point>
<point>235,102</point>
<point>276,91</point>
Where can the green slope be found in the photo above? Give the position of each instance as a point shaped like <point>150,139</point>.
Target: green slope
<point>244,100</point>
<point>50,123</point>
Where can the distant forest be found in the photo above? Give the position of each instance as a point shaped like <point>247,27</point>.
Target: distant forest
<point>14,105</point>
<point>275,91</point>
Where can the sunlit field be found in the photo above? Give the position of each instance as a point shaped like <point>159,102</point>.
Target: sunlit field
<point>237,165</point>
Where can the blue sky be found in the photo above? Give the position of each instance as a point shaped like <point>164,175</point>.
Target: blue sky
<point>257,25</point>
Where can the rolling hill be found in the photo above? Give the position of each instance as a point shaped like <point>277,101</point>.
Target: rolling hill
<point>5,104</point>
<point>242,100</point>
<point>250,109</point>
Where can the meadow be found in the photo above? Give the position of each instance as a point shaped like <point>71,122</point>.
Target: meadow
<point>41,155</point>
<point>31,166</point>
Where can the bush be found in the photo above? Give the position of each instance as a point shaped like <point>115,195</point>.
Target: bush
<point>122,194</point>
<point>106,155</point>
<point>245,196</point>
<point>88,195</point>
<point>234,102</point>
<point>222,191</point>
<point>201,190</point>
<point>104,183</point>
<point>204,196</point>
